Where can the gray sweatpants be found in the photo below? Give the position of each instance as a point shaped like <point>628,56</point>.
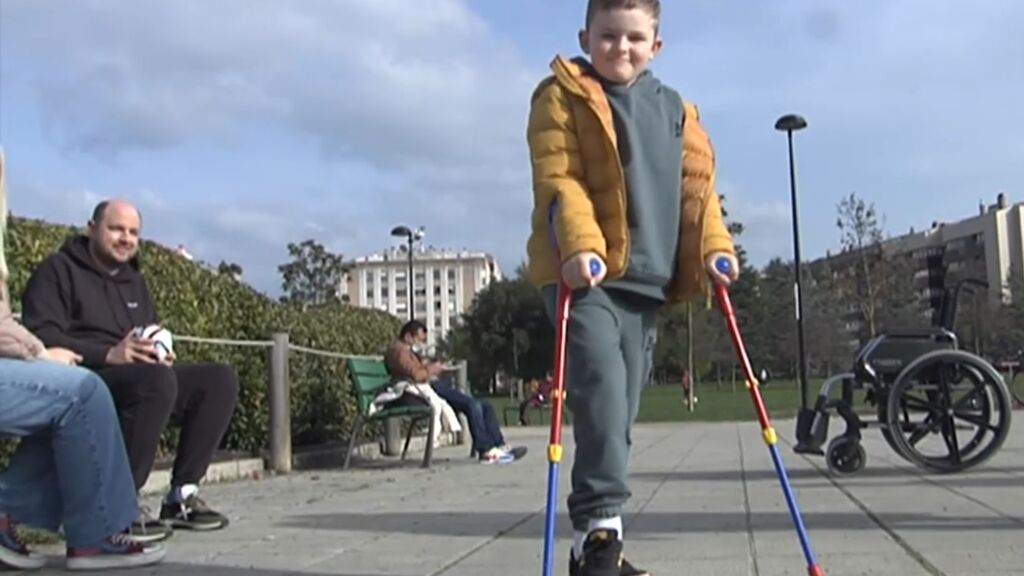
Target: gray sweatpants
<point>609,359</point>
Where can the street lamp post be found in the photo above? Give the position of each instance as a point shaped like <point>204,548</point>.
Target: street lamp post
<point>791,123</point>
<point>411,236</point>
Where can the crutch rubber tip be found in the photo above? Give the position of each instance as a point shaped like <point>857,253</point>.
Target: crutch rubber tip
<point>815,570</point>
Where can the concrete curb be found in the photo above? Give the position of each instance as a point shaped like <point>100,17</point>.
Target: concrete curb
<point>306,458</point>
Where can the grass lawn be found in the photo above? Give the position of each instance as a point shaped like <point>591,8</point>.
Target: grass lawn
<point>666,403</point>
<point>723,403</point>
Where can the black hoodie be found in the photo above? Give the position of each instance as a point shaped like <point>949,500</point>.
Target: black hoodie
<point>70,302</point>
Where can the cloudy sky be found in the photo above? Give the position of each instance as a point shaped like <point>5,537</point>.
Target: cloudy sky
<point>241,125</point>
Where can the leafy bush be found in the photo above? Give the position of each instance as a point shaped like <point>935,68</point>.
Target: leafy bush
<point>196,301</point>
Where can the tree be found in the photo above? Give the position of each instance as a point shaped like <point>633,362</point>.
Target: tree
<point>828,346</point>
<point>777,303</point>
<point>313,276</point>
<point>229,269</point>
<point>898,298</point>
<point>506,330</point>
<point>860,235</point>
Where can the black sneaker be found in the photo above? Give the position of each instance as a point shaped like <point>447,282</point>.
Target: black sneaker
<point>146,529</point>
<point>602,556</point>
<point>192,514</point>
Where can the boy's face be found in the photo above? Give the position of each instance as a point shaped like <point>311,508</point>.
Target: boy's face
<point>620,43</point>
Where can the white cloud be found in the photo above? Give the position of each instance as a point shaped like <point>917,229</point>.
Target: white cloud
<point>420,95</point>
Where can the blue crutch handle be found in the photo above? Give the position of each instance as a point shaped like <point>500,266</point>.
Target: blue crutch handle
<point>723,265</point>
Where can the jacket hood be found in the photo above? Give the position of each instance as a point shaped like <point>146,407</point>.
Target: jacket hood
<point>77,248</point>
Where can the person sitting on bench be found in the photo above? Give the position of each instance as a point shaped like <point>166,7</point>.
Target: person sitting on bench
<point>404,362</point>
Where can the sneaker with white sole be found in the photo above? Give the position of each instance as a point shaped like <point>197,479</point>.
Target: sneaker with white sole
<point>14,553</point>
<point>117,551</point>
<point>146,529</point>
<point>602,556</point>
<point>192,514</point>
<point>502,455</point>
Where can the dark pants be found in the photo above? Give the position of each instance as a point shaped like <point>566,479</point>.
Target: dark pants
<point>198,397</point>
<point>483,423</point>
<point>531,402</point>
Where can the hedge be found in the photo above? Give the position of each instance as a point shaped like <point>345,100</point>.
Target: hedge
<point>196,301</point>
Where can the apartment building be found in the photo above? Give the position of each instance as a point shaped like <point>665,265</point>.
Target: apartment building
<point>988,246</point>
<point>444,284</point>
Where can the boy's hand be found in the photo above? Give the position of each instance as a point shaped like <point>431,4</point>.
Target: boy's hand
<point>577,273</point>
<point>718,277</point>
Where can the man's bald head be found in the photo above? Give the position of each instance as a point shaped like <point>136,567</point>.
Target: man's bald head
<point>114,204</point>
<point>114,233</point>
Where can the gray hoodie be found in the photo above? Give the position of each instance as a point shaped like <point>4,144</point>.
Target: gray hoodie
<point>649,130</point>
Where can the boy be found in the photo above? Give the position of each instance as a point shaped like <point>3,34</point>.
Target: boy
<point>632,172</point>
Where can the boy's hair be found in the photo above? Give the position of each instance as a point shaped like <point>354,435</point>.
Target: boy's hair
<point>653,7</point>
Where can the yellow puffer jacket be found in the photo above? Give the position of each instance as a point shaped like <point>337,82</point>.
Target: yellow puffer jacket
<point>576,163</point>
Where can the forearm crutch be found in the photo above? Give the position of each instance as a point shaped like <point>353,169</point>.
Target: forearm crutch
<point>562,305</point>
<point>723,265</point>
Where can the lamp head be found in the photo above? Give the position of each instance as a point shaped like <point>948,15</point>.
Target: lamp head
<point>401,231</point>
<point>790,123</point>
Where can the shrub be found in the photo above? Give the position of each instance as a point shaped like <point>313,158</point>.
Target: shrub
<point>197,301</point>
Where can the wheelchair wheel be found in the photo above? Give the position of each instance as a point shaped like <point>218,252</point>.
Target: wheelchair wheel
<point>845,456</point>
<point>883,418</point>
<point>948,410</point>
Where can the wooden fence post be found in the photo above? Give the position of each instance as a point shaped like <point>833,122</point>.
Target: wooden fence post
<point>280,407</point>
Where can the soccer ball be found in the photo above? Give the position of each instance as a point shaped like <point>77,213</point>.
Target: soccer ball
<point>163,343</point>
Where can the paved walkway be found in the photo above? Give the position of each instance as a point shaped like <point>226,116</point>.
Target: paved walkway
<point>706,502</point>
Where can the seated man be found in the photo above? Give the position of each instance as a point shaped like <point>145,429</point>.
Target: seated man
<point>540,394</point>
<point>88,298</point>
<point>404,363</point>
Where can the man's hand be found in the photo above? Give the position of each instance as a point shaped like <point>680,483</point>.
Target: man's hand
<point>62,356</point>
<point>132,350</point>
<point>577,273</point>
<point>435,368</point>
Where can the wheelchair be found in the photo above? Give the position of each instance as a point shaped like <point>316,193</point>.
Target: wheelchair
<point>941,408</point>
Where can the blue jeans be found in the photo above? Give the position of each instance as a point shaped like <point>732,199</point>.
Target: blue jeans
<point>483,424</point>
<point>70,467</point>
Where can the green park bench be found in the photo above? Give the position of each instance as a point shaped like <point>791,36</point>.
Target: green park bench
<point>369,378</point>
